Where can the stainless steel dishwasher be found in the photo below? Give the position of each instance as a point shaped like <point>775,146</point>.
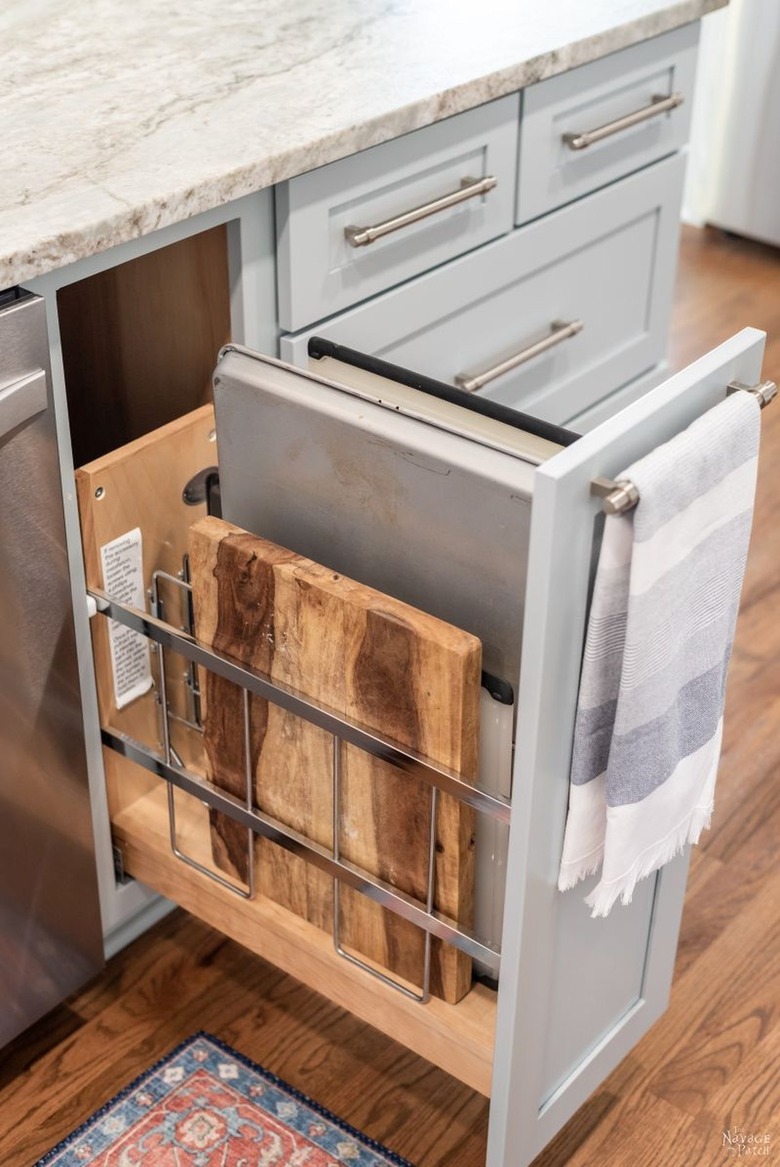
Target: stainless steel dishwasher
<point>50,934</point>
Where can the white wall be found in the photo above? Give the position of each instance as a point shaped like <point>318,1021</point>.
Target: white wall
<point>734,169</point>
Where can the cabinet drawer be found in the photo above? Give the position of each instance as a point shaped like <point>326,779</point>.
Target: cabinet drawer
<point>558,160</point>
<point>606,263</point>
<point>321,272</point>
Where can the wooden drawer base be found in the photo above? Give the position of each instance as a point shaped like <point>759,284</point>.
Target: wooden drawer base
<point>459,1038</point>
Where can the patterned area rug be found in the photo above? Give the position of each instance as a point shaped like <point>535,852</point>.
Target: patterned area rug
<point>205,1105</point>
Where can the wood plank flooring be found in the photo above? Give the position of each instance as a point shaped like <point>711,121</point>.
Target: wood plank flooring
<point>711,1064</point>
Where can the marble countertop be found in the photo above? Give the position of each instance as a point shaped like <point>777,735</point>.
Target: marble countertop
<point>118,118</point>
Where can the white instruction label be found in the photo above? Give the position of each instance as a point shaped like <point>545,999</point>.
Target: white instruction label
<point>123,580</point>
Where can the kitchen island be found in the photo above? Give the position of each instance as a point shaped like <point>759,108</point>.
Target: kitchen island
<point>441,185</point>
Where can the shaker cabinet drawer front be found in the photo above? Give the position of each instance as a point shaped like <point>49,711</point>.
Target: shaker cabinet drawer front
<point>586,128</point>
<point>360,225</point>
<point>548,320</point>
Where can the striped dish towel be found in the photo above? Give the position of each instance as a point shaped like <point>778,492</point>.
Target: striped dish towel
<point>650,710</point>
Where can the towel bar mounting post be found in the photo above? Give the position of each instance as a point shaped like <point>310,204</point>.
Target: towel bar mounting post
<point>766,391</point>
<point>619,495</point>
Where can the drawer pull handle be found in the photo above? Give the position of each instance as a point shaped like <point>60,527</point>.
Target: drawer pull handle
<point>469,188</point>
<point>21,401</point>
<point>658,105</point>
<point>560,331</point>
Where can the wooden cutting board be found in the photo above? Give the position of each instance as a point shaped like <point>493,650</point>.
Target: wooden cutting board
<point>393,668</point>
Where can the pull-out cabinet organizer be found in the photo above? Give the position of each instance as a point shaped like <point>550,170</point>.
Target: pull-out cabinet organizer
<point>573,994</point>
<point>163,834</point>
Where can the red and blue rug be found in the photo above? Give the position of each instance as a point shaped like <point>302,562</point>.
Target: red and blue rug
<point>204,1105</point>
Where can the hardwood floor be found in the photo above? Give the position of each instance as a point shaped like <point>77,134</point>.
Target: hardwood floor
<point>711,1064</point>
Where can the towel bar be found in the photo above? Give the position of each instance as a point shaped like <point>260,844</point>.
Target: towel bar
<point>620,495</point>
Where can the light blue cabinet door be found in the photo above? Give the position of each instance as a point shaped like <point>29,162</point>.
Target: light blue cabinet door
<point>576,994</point>
<point>618,97</point>
<point>416,202</point>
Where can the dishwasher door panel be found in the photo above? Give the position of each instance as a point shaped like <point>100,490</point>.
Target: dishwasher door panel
<point>50,935</point>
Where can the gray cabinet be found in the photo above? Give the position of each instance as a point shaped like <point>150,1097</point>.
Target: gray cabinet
<point>464,291</point>
<point>339,241</point>
<point>580,991</point>
<point>587,128</point>
<point>556,315</point>
<point>336,466</point>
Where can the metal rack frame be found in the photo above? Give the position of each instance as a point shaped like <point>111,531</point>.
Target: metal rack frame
<point>168,766</point>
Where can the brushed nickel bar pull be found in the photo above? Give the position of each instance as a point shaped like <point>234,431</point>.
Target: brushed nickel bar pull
<point>619,495</point>
<point>22,400</point>
<point>560,331</point>
<point>658,105</point>
<point>469,189</point>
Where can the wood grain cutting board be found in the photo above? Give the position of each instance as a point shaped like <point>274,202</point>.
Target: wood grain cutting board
<point>393,668</point>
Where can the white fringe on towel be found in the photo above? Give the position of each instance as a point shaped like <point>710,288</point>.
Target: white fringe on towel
<point>650,711</point>
<point>642,836</point>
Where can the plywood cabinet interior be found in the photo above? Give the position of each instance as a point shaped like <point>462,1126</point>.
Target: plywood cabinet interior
<point>140,340</point>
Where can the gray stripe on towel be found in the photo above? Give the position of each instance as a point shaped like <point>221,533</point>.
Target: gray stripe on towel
<point>690,596</point>
<point>691,607</point>
<point>640,761</point>
<point>592,737</point>
<point>700,653</point>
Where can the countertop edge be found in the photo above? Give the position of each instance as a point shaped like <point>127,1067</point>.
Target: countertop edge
<point>60,249</point>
